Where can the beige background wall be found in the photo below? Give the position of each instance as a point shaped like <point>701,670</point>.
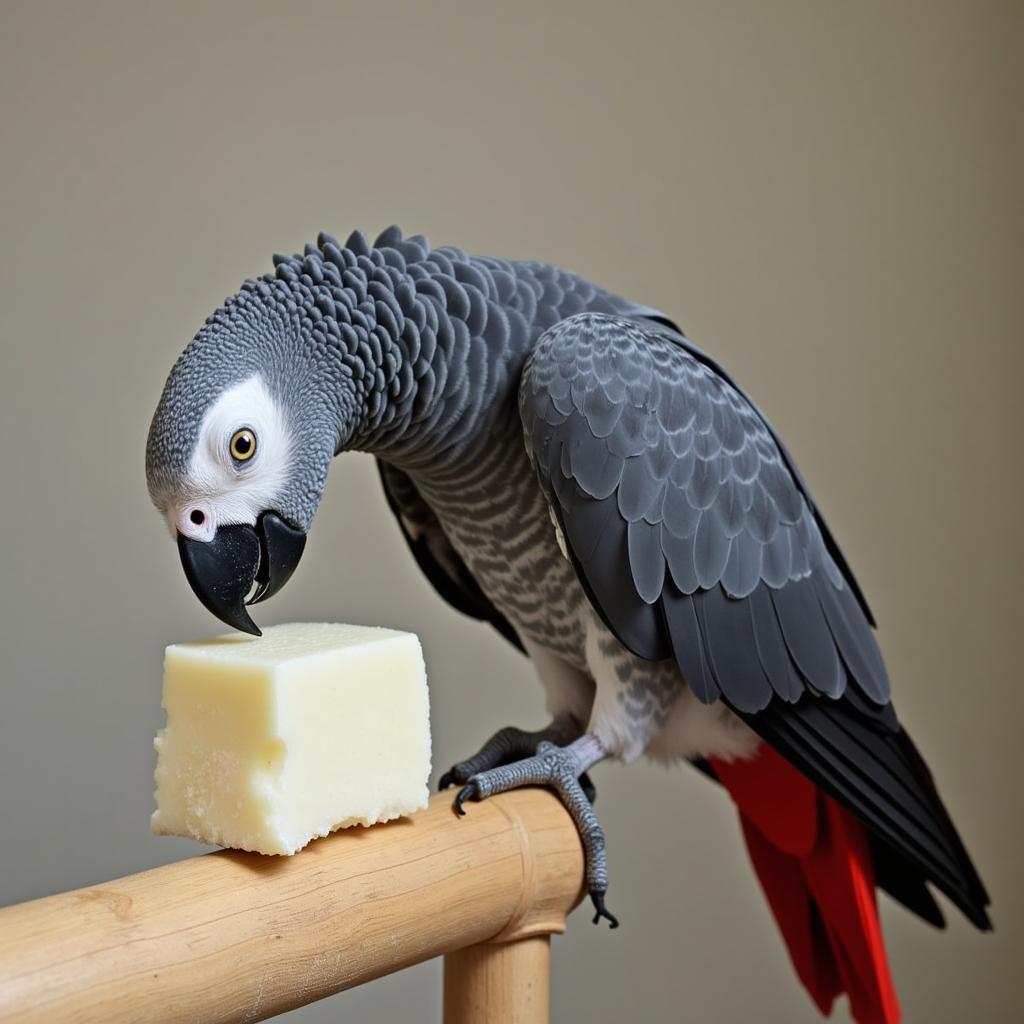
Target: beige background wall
<point>827,197</point>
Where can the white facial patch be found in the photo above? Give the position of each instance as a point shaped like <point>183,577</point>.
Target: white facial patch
<point>220,490</point>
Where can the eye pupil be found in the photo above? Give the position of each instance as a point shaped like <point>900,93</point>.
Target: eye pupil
<point>197,517</point>
<point>243,445</point>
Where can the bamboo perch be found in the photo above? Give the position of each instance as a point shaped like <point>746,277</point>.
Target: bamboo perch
<point>233,937</point>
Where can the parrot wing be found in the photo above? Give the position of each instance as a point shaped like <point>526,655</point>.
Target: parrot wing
<point>695,538</point>
<point>435,555</point>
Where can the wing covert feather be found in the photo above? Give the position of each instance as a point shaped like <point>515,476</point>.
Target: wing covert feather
<point>695,537</point>
<point>667,481</point>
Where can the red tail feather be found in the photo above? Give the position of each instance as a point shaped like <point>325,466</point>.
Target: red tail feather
<point>814,863</point>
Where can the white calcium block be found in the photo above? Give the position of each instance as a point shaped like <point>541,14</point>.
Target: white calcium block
<point>272,741</point>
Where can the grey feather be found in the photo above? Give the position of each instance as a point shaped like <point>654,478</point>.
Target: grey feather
<point>637,490</point>
<point>808,637</point>
<point>729,640</point>
<point>646,561</point>
<point>722,522</point>
<point>688,526</point>
<point>679,555</point>
<point>710,548</point>
<point>772,651</point>
<point>636,622</point>
<point>856,644</point>
<point>742,571</point>
<point>688,645</point>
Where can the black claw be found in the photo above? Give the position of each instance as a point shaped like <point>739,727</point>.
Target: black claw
<point>446,781</point>
<point>602,910</point>
<point>468,792</point>
<point>588,787</point>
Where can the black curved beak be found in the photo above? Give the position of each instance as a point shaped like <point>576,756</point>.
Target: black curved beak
<point>222,571</point>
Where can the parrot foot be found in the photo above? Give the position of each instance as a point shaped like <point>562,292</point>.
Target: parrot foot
<point>601,910</point>
<point>562,769</point>
<point>511,744</point>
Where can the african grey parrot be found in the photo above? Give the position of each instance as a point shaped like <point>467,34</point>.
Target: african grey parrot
<point>566,465</point>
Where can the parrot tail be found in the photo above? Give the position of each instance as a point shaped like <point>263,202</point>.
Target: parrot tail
<point>814,863</point>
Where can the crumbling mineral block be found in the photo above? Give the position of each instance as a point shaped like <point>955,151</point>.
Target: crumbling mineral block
<point>272,741</point>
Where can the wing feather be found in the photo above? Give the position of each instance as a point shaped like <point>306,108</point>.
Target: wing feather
<point>694,536</point>
<point>808,637</point>
<point>688,645</point>
<point>733,649</point>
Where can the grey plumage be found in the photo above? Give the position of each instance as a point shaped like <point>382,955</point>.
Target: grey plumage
<point>434,553</point>
<point>507,400</point>
<point>701,502</point>
<point>722,564</point>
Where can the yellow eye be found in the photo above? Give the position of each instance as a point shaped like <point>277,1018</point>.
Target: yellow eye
<point>243,445</point>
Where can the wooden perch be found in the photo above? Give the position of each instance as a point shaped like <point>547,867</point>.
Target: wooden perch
<point>233,937</point>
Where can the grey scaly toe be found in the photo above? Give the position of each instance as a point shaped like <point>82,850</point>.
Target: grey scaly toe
<point>561,769</point>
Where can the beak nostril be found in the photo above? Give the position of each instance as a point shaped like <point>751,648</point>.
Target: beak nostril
<point>197,517</point>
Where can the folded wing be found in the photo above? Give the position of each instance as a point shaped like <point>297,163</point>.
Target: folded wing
<point>695,538</point>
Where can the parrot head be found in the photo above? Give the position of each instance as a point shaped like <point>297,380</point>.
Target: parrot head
<point>239,448</point>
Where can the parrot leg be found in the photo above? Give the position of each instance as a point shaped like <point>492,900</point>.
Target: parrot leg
<point>511,744</point>
<point>560,768</point>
